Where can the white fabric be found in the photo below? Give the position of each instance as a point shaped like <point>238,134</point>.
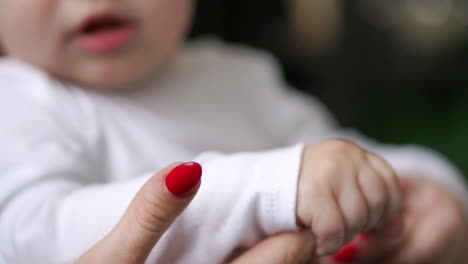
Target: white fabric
<point>72,159</point>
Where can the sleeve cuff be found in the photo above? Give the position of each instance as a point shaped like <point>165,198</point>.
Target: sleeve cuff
<point>279,171</point>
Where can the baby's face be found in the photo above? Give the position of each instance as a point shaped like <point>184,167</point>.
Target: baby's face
<point>97,43</point>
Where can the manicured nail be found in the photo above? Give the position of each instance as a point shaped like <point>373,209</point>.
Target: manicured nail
<point>347,253</point>
<point>184,178</point>
<point>364,236</point>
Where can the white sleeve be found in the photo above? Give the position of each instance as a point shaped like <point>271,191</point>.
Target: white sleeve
<point>301,118</point>
<point>55,218</point>
<point>243,197</point>
<point>54,204</point>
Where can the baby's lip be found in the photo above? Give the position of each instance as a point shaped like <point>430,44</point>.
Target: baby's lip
<point>100,22</point>
<point>104,32</point>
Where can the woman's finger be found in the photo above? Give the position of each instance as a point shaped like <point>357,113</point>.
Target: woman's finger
<point>375,246</point>
<point>370,247</point>
<point>158,203</point>
<point>285,248</point>
<point>437,231</point>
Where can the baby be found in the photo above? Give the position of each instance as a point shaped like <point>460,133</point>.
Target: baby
<point>96,96</point>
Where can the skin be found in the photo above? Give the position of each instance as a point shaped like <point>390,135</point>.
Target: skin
<point>154,209</point>
<point>435,229</point>
<point>44,40</point>
<point>344,190</point>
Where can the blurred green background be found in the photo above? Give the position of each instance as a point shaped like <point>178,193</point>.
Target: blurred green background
<point>396,70</point>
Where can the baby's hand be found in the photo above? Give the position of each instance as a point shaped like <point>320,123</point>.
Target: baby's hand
<point>344,190</point>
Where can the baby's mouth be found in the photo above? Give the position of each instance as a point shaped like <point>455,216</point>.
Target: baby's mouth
<point>102,24</point>
<point>104,33</point>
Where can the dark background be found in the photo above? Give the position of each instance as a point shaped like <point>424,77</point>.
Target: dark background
<point>369,79</point>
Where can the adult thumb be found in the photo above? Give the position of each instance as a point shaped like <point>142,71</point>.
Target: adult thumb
<point>284,248</point>
<point>156,205</point>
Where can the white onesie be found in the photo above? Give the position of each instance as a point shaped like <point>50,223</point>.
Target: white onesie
<point>71,159</point>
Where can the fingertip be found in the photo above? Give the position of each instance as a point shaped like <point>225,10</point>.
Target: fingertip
<point>327,248</point>
<point>347,253</point>
<point>183,179</point>
<point>354,250</point>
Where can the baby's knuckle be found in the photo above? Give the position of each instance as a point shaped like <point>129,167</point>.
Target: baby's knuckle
<point>347,149</point>
<point>331,235</point>
<point>356,224</point>
<point>328,167</point>
<point>341,145</point>
<point>378,202</point>
<point>385,168</point>
<point>331,245</point>
<point>391,176</point>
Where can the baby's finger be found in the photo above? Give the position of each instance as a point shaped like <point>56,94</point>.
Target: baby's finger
<point>392,183</point>
<point>353,207</point>
<point>375,193</point>
<point>328,224</point>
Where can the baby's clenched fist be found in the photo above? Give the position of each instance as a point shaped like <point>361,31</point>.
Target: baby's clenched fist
<point>344,190</point>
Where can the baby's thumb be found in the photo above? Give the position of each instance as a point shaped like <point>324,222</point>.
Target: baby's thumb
<point>158,203</point>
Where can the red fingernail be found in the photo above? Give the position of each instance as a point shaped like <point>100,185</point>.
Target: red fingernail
<point>183,178</point>
<point>364,236</point>
<point>347,253</point>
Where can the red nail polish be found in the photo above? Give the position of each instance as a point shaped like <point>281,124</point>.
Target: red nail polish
<point>347,253</point>
<point>183,178</point>
<point>364,236</point>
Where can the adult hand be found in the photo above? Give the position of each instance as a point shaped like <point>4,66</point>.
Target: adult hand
<point>285,248</point>
<point>435,230</point>
<point>153,210</point>
<point>163,197</point>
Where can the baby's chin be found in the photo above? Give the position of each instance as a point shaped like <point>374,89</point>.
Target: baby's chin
<point>115,77</point>
<point>108,82</point>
